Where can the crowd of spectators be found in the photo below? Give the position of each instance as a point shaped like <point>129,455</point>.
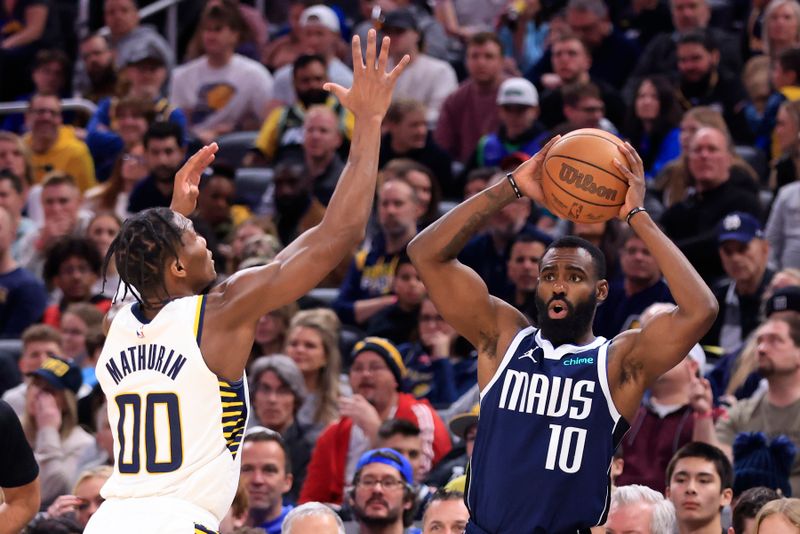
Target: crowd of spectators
<point>361,390</point>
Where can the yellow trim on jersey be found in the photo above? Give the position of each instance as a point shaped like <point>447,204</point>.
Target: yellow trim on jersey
<point>198,313</point>
<point>234,415</point>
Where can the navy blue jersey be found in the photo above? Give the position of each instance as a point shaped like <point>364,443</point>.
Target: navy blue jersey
<point>546,436</point>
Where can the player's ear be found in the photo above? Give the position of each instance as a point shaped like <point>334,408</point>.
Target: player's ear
<point>176,268</point>
<point>601,290</point>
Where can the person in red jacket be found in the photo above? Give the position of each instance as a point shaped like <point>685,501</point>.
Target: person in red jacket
<point>376,377</point>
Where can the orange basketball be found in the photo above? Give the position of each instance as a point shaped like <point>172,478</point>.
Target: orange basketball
<point>580,181</point>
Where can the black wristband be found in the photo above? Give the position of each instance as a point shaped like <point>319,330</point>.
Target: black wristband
<point>510,178</point>
<point>633,212</point>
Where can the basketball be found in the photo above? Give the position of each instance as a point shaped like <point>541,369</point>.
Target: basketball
<point>580,181</point>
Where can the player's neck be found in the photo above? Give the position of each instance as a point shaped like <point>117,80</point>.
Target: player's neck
<point>714,526</point>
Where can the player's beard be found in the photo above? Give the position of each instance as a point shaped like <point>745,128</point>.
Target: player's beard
<point>567,330</point>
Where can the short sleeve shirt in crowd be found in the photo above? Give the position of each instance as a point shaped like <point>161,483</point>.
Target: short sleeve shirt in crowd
<point>214,96</point>
<point>17,464</point>
<point>23,300</point>
<point>756,414</point>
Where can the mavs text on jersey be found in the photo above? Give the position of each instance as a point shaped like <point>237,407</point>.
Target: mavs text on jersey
<point>547,432</point>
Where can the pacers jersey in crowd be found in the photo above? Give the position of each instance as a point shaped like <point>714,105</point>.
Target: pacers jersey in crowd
<point>177,427</point>
<point>546,436</point>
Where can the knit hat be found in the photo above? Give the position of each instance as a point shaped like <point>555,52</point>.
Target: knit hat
<point>757,464</point>
<point>386,350</point>
<point>388,457</point>
<point>60,374</point>
<point>287,372</point>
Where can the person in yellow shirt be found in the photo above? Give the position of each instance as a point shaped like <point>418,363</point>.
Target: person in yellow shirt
<point>55,147</point>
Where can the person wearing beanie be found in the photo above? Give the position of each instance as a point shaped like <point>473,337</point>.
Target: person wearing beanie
<point>757,462</point>
<point>377,374</point>
<point>277,391</point>
<point>382,497</point>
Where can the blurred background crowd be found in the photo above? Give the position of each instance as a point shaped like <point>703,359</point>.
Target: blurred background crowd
<point>99,109</point>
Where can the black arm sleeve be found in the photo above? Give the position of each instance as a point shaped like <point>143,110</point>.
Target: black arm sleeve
<point>17,464</point>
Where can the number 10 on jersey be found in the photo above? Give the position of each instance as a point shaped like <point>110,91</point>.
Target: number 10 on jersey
<point>560,446</point>
<point>162,412</point>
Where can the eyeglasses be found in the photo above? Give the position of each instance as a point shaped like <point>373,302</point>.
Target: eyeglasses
<point>387,483</point>
<point>41,112</point>
<point>133,158</point>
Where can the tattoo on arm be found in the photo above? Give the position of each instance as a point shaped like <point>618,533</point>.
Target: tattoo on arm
<point>630,370</point>
<point>474,222</point>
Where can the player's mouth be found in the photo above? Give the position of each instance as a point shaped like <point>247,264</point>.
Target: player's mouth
<point>557,309</point>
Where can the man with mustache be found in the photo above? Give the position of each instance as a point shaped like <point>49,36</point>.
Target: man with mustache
<point>164,154</point>
<point>382,497</point>
<point>555,400</point>
<point>377,375</point>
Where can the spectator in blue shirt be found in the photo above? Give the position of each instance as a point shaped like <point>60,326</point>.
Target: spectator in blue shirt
<point>23,297</point>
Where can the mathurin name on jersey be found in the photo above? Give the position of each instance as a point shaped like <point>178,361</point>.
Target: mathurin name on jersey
<point>145,357</point>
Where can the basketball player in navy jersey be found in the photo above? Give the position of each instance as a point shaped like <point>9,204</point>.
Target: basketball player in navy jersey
<point>555,401</point>
<point>173,363</point>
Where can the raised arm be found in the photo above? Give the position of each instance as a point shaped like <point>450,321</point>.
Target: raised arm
<point>639,357</point>
<point>459,293</point>
<point>299,267</point>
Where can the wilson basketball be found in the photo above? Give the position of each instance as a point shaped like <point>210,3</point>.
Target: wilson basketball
<point>580,181</point>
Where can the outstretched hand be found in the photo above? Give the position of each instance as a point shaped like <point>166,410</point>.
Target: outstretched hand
<point>372,88</point>
<point>529,175</point>
<point>634,173</point>
<point>187,180</point>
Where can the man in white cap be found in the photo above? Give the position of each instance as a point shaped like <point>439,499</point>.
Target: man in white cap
<point>519,132</point>
<point>665,420</point>
<point>321,32</point>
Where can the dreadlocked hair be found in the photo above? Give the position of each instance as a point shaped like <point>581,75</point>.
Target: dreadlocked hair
<point>141,250</point>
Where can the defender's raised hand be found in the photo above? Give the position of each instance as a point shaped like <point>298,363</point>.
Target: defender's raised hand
<point>372,88</point>
<point>187,180</point>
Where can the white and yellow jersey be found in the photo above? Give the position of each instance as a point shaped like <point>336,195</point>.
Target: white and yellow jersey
<point>177,426</point>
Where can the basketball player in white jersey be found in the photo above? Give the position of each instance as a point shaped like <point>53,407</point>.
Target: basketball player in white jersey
<point>173,364</point>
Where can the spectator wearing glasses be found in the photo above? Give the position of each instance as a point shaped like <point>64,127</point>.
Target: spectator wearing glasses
<point>277,391</point>
<point>382,497</point>
<point>53,146</point>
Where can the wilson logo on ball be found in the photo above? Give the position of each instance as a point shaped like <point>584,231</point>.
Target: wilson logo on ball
<point>585,182</point>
